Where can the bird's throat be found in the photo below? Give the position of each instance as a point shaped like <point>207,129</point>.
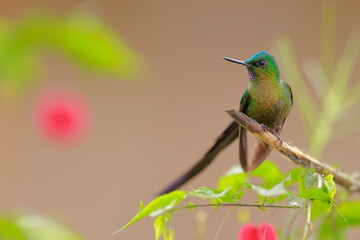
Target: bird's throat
<point>251,74</point>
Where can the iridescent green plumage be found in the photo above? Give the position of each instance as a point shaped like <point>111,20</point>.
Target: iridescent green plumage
<point>267,100</point>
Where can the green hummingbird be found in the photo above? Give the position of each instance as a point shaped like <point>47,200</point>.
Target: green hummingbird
<point>268,100</point>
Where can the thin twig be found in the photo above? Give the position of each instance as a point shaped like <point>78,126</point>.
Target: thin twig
<point>291,224</point>
<point>238,205</point>
<point>294,154</point>
<point>222,224</point>
<point>308,225</point>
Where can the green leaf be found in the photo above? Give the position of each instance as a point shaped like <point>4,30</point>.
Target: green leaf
<point>10,230</point>
<point>141,206</point>
<point>190,204</point>
<point>295,173</point>
<point>157,207</point>
<point>90,42</point>
<point>159,226</point>
<point>233,179</point>
<point>353,96</point>
<point>350,211</point>
<point>169,234</point>
<point>330,185</point>
<point>230,197</point>
<point>336,224</point>
<point>35,227</point>
<point>278,189</point>
<point>269,172</point>
<point>295,200</point>
<point>234,170</point>
<point>328,230</point>
<point>319,208</point>
<point>308,179</point>
<point>315,194</point>
<point>272,199</point>
<point>208,193</point>
<point>84,39</point>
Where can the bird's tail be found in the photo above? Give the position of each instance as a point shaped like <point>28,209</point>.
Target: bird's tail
<point>227,137</point>
<point>261,151</point>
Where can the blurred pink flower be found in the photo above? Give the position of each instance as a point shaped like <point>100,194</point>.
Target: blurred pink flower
<point>251,232</point>
<point>62,116</point>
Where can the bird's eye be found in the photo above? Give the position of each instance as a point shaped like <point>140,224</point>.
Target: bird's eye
<point>261,63</point>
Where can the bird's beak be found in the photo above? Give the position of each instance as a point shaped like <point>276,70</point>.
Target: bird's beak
<point>237,61</point>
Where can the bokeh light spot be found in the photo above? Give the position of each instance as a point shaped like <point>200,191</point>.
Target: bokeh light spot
<point>62,116</point>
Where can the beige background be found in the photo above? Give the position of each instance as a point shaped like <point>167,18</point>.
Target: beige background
<point>145,133</point>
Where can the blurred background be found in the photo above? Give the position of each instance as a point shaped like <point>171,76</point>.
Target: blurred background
<point>103,103</point>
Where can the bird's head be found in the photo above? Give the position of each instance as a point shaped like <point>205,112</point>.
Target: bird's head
<point>261,65</point>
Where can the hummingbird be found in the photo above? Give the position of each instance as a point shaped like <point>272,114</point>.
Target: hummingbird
<point>267,99</point>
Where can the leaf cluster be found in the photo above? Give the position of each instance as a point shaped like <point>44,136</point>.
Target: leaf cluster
<point>83,39</point>
<point>34,227</point>
<point>330,79</point>
<point>296,189</point>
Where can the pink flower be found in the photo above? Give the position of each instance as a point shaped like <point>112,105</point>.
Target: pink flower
<point>251,232</point>
<point>61,116</point>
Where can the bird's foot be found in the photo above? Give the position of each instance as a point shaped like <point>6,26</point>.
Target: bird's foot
<point>278,138</point>
<point>264,127</point>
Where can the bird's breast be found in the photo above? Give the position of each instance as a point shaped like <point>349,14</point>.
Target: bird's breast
<point>269,107</point>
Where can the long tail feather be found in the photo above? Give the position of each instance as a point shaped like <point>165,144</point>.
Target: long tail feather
<point>260,152</point>
<point>227,137</point>
<point>243,149</point>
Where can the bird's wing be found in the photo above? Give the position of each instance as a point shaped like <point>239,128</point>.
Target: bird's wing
<point>245,100</point>
<point>287,86</point>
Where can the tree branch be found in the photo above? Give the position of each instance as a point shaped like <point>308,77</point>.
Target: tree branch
<point>294,154</point>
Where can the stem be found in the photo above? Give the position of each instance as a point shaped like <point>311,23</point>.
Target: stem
<point>327,120</point>
<point>201,218</point>
<point>291,224</point>
<point>222,224</point>
<point>308,223</point>
<point>328,36</point>
<point>237,205</point>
